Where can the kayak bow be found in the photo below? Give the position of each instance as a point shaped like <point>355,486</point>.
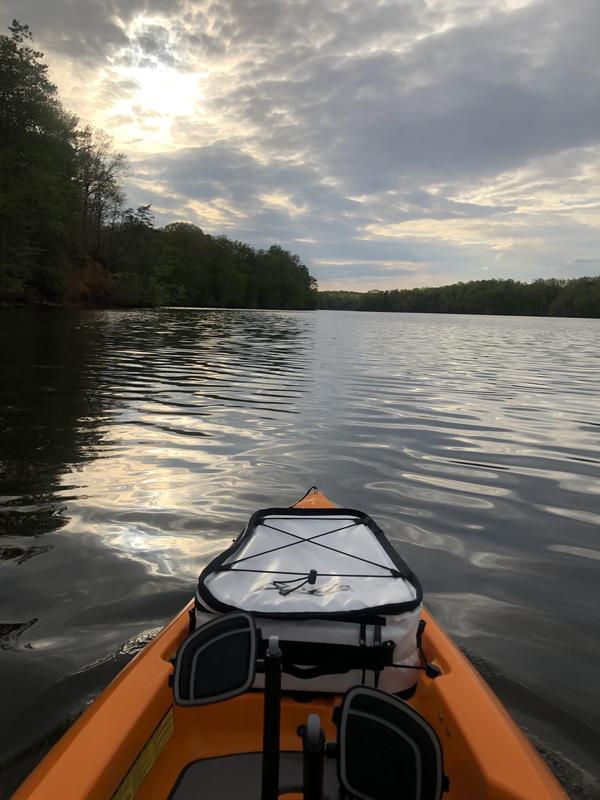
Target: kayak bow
<point>135,742</point>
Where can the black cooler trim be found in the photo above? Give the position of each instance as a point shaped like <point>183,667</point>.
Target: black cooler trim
<point>206,601</point>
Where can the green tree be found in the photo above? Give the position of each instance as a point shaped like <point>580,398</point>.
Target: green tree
<point>62,209</point>
<point>36,170</point>
<point>99,195</point>
<point>579,297</point>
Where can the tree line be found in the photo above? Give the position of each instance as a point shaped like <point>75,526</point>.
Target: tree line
<point>67,233</point>
<point>578,297</point>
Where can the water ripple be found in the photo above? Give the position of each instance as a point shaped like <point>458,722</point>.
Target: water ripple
<point>135,445</point>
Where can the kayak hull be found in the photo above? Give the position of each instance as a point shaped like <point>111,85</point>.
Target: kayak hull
<point>133,742</point>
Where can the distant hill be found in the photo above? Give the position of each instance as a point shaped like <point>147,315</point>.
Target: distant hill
<point>553,297</point>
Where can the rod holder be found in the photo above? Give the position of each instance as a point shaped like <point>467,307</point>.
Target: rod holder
<point>313,755</point>
<point>271,721</point>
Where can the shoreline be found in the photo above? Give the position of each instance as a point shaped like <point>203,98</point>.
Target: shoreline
<point>96,306</point>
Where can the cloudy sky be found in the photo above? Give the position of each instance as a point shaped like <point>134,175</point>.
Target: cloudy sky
<point>390,144</point>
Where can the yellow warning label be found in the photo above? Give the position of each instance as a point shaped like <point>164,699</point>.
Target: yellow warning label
<point>144,762</point>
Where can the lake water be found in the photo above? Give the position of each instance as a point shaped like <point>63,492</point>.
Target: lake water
<point>134,445</point>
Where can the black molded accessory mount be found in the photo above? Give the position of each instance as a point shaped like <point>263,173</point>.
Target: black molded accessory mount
<point>387,750</point>
<point>217,662</point>
<point>431,670</point>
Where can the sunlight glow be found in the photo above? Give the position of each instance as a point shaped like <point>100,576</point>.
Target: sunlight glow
<point>157,90</point>
<point>162,91</point>
<point>162,95</point>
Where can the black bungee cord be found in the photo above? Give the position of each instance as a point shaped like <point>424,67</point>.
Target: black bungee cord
<point>303,578</point>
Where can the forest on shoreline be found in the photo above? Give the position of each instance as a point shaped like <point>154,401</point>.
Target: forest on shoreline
<point>68,236</point>
<point>553,297</point>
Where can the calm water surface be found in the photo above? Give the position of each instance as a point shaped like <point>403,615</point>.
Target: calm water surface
<point>134,445</point>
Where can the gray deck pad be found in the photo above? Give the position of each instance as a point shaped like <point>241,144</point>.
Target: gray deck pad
<point>238,776</point>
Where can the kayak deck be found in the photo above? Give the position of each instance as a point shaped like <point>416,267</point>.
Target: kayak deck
<point>134,742</point>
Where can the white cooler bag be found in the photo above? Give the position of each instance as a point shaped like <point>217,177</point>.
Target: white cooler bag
<point>344,604</point>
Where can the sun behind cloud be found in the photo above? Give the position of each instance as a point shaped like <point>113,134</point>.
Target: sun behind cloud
<point>162,87</point>
<point>163,94</point>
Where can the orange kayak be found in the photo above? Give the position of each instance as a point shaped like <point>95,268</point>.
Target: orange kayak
<point>135,742</point>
